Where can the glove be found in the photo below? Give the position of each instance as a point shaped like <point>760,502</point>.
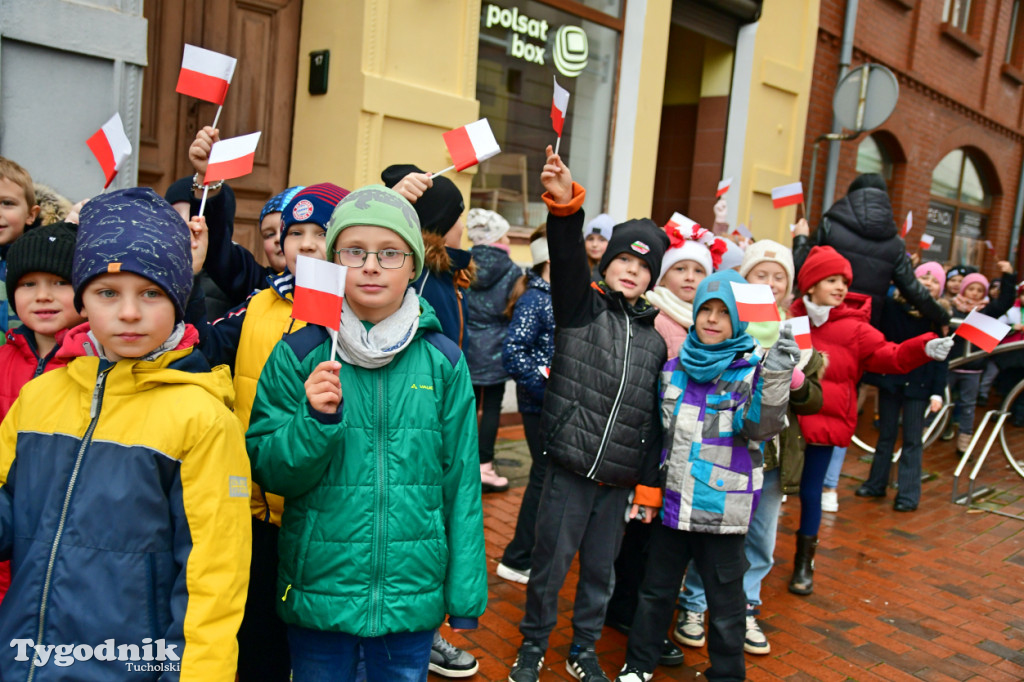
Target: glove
<point>938,349</point>
<point>785,354</point>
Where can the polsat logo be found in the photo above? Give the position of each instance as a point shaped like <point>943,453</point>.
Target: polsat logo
<point>568,44</point>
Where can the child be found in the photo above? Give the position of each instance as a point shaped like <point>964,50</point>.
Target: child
<point>486,301</point>
<point>914,393</point>
<point>718,401</point>
<point>954,276</point>
<point>965,380</point>
<point>383,532</point>
<point>841,329</point>
<point>596,234</point>
<point>526,356</point>
<point>126,510</point>
<point>769,263</point>
<point>1010,366</point>
<point>18,210</point>
<point>599,421</point>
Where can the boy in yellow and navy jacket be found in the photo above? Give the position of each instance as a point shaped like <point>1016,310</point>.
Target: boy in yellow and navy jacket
<point>125,500</point>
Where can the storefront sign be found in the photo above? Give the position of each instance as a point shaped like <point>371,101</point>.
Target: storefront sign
<point>569,45</point>
<point>939,226</point>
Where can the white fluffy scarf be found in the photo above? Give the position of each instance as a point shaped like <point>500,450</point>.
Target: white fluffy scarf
<point>670,304</point>
<point>378,346</point>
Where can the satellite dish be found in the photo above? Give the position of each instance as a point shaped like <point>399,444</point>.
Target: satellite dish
<point>865,97</point>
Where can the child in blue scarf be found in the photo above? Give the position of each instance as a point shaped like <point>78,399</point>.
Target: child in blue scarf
<point>720,397</point>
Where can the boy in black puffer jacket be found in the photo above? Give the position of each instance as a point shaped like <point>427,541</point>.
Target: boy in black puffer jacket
<point>600,421</point>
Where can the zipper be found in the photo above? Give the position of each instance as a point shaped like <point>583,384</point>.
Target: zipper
<point>618,398</point>
<point>380,511</point>
<point>94,417</point>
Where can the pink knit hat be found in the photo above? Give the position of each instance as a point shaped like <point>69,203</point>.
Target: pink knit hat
<point>935,270</point>
<point>974,278</point>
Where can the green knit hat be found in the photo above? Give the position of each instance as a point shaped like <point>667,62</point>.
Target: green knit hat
<point>382,207</point>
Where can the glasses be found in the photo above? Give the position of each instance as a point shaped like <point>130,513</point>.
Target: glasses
<point>389,259</point>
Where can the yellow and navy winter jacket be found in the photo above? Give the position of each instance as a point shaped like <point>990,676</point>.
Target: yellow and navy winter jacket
<point>383,530</point>
<point>124,511</point>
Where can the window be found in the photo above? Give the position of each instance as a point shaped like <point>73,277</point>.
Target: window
<point>958,212</point>
<point>872,157</point>
<point>957,13</point>
<point>1015,41</point>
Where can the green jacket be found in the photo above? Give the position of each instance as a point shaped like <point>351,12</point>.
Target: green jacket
<point>383,530</point>
<point>804,400</point>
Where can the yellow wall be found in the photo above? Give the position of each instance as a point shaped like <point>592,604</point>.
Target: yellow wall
<point>779,95</point>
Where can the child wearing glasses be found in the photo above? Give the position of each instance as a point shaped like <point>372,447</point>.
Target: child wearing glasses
<point>382,539</point>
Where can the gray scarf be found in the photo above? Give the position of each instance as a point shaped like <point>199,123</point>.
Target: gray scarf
<point>177,334</point>
<point>378,346</point>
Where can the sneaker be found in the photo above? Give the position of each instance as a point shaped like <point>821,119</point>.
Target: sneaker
<point>514,575</point>
<point>829,501</point>
<point>689,629</point>
<point>528,662</point>
<point>630,673</point>
<point>583,664</point>
<point>447,660</point>
<point>963,441</point>
<point>950,432</point>
<point>755,642</point>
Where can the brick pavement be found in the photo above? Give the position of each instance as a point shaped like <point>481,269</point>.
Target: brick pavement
<point>933,595</point>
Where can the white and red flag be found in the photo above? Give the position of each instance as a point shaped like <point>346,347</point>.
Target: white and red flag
<point>908,225</point>
<point>926,241</point>
<point>111,147</point>
<point>319,292</point>
<point>723,187</point>
<point>983,331</point>
<point>681,225</point>
<point>801,327</point>
<point>755,302</point>
<point>545,370</point>
<point>788,195</point>
<point>742,231</point>
<point>205,74</point>
<point>988,243</point>
<point>471,144</point>
<point>231,158</point>
<point>559,107</point>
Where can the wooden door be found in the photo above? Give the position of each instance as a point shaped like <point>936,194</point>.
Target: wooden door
<point>264,36</point>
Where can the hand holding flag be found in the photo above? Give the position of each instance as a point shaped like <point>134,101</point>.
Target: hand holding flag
<point>111,147</point>
<point>755,302</point>
<point>559,107</point>
<point>470,144</point>
<point>801,327</point>
<point>983,331</point>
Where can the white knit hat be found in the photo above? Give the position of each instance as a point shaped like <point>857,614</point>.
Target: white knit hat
<point>732,257</point>
<point>767,251</point>
<point>485,227</point>
<point>539,251</point>
<point>601,225</point>
<point>690,250</point>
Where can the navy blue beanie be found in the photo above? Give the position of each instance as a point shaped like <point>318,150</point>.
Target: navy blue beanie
<point>277,203</point>
<point>134,230</point>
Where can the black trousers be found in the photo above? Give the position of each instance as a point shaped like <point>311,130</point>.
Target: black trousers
<point>721,563</point>
<point>488,403</point>
<point>519,552</point>
<point>908,478</point>
<point>263,637</point>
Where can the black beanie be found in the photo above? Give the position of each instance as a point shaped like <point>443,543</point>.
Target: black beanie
<point>868,180</point>
<point>640,238</point>
<point>180,190</point>
<point>960,270</point>
<point>50,248</point>
<point>440,206</point>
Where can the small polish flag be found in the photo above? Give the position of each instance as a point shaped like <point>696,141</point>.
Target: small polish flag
<point>680,224</point>
<point>926,241</point>
<point>231,158</point>
<point>111,147</point>
<point>319,292</point>
<point>742,231</point>
<point>983,331</point>
<point>801,327</point>
<point>546,371</point>
<point>988,243</point>
<point>723,187</point>
<point>908,225</point>
<point>205,74</point>
<point>755,302</point>
<point>471,144</point>
<point>559,107</point>
<point>788,195</point>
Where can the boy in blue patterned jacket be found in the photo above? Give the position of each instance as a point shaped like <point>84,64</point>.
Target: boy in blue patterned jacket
<point>720,397</point>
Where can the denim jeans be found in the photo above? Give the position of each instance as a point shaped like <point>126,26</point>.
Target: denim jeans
<point>835,467</point>
<point>758,547</point>
<point>967,384</point>
<point>319,656</point>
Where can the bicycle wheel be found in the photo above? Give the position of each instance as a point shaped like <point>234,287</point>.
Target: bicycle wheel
<point>1017,464</point>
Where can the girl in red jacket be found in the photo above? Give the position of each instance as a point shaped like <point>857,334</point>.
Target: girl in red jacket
<point>841,329</point>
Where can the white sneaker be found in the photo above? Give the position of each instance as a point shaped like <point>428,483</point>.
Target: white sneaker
<point>755,642</point>
<point>513,574</point>
<point>632,674</point>
<point>830,501</point>
<point>689,629</point>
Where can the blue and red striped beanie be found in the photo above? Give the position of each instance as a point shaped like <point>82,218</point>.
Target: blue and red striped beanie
<point>314,204</point>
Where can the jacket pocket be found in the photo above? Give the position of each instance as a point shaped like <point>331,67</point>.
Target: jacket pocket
<point>731,571</point>
<point>721,479</point>
<point>719,412</point>
<point>303,548</point>
<point>562,420</point>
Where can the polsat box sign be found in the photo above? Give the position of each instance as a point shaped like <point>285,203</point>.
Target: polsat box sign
<point>568,45</point>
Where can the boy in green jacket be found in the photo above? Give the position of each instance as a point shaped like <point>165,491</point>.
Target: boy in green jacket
<point>382,537</point>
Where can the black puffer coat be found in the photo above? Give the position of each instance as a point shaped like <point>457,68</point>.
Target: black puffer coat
<point>600,417</point>
<point>860,226</point>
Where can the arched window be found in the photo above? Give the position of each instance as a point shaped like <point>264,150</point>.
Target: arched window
<point>872,157</point>
<point>958,211</point>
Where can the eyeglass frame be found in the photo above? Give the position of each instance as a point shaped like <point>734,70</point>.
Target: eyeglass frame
<point>366,254</point>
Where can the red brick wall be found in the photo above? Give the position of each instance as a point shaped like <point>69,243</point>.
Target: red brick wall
<point>949,98</point>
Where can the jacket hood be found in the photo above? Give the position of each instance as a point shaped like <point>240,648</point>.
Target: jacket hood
<point>535,281</point>
<point>439,258</point>
<point>867,212</point>
<point>429,321</point>
<point>855,305</point>
<point>492,263</point>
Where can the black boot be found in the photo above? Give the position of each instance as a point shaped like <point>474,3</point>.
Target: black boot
<point>802,581</point>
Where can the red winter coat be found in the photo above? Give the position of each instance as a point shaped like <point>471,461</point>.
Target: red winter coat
<point>853,347</point>
<point>19,364</point>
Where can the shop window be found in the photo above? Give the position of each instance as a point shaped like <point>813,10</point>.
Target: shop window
<point>523,45</point>
<point>957,13</point>
<point>958,212</point>
<point>872,157</point>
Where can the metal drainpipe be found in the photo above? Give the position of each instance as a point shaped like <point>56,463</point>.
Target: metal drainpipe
<point>845,57</point>
<point>1018,213</point>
